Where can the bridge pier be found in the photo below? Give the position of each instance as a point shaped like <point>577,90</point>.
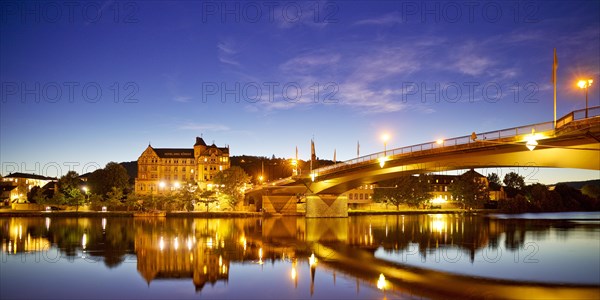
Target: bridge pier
<point>279,204</point>
<point>326,206</point>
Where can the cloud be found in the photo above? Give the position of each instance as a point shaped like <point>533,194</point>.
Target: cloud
<point>385,20</point>
<point>182,99</point>
<point>309,62</point>
<point>227,53</point>
<point>203,127</point>
<point>469,61</point>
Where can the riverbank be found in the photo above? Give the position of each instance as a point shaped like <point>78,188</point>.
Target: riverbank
<point>220,214</point>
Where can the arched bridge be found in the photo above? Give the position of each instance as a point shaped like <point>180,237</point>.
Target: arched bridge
<point>573,143</point>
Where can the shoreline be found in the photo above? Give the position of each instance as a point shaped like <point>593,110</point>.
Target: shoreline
<point>219,214</point>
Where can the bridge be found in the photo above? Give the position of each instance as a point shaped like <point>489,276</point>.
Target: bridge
<point>573,143</point>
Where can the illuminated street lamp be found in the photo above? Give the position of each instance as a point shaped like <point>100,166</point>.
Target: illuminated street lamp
<point>385,137</point>
<point>585,84</point>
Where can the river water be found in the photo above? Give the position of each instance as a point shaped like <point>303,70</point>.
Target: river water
<point>361,257</point>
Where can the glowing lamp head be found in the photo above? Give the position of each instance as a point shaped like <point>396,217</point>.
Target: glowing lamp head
<point>439,141</point>
<point>162,184</point>
<point>582,84</point>
<point>385,137</point>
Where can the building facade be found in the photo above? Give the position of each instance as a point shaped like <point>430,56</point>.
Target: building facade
<point>22,183</point>
<point>164,169</point>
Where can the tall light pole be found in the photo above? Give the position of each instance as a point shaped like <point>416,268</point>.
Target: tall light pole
<point>385,137</point>
<point>585,84</point>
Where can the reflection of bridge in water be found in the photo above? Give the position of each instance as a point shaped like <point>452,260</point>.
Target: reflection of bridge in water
<point>203,250</point>
<point>575,140</point>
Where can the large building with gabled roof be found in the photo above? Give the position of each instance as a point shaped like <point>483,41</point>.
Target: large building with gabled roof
<point>164,169</point>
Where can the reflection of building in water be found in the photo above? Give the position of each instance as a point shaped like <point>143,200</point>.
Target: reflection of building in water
<point>16,237</point>
<point>170,256</point>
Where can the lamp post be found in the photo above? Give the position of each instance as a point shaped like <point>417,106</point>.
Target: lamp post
<point>585,84</point>
<point>385,137</point>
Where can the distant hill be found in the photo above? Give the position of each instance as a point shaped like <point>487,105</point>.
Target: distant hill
<point>274,168</point>
<point>579,184</point>
<point>132,170</point>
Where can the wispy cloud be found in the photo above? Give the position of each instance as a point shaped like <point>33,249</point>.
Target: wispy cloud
<point>227,53</point>
<point>203,127</point>
<point>173,86</point>
<point>469,61</point>
<point>182,99</point>
<point>385,20</point>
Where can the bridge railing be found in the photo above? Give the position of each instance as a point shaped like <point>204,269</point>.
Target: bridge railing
<point>460,141</point>
<point>578,115</point>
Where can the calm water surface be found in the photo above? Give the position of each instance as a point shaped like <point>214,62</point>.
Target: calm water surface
<point>419,256</point>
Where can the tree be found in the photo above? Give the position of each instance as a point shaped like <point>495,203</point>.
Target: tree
<point>514,184</point>
<point>69,186</point>
<point>207,197</point>
<point>114,198</point>
<point>114,175</point>
<point>231,184</point>
<point>591,190</point>
<point>494,182</point>
<point>411,190</point>
<point>36,195</point>
<point>394,191</point>
<point>470,190</point>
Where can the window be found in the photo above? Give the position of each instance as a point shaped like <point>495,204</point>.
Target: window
<point>349,196</point>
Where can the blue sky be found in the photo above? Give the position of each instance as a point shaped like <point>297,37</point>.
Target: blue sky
<point>91,82</point>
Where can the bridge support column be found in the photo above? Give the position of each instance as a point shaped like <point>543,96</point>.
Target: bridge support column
<point>279,204</point>
<point>326,206</point>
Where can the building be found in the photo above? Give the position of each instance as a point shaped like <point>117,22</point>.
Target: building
<point>23,182</point>
<point>441,197</point>
<point>164,169</point>
<point>440,188</point>
<point>360,197</point>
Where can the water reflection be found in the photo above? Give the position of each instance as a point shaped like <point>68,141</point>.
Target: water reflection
<point>373,251</point>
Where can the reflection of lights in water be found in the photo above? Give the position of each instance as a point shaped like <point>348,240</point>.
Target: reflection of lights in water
<point>205,269</point>
<point>47,223</point>
<point>103,223</point>
<point>243,242</point>
<point>161,244</point>
<point>293,273</point>
<point>20,231</point>
<point>381,283</point>
<point>312,260</point>
<point>222,243</point>
<point>9,246</point>
<point>438,223</point>
<point>220,260</point>
<point>209,243</point>
<point>84,241</point>
<point>176,243</point>
<point>189,243</point>
<point>260,256</point>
